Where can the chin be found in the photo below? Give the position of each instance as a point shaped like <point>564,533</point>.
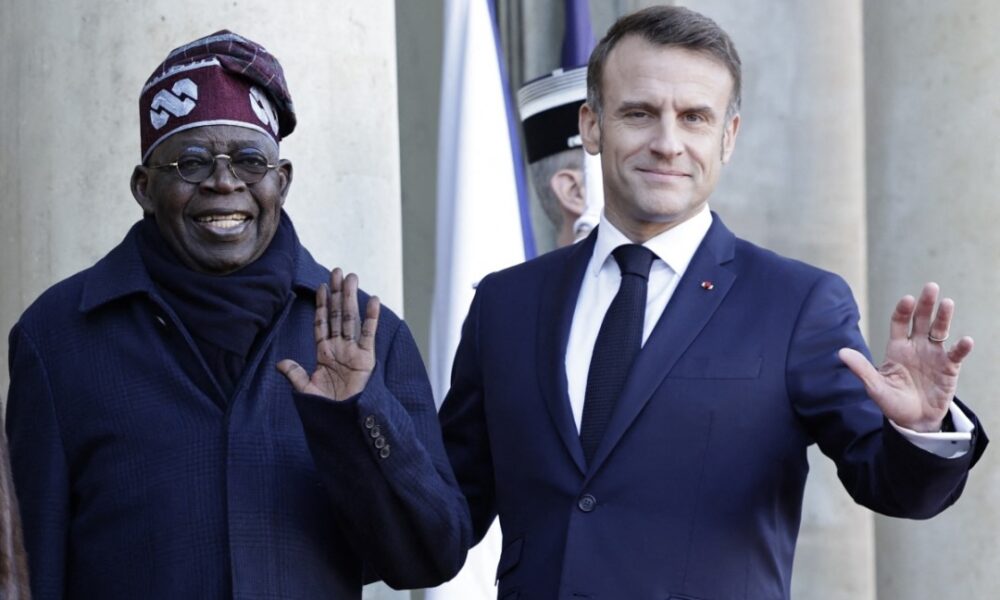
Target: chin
<point>218,265</point>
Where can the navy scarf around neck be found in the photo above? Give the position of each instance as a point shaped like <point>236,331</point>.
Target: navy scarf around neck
<point>225,314</point>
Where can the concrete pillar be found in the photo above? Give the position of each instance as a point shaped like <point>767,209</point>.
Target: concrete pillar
<point>932,71</point>
<point>70,75</point>
<point>796,185</point>
<point>419,35</point>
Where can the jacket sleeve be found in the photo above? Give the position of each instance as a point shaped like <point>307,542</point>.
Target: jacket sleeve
<point>383,462</point>
<point>879,468</point>
<point>38,464</point>
<point>463,425</point>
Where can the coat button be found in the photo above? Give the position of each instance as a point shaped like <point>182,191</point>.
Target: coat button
<point>369,421</point>
<point>384,452</point>
<point>375,432</point>
<point>380,442</point>
<point>587,503</point>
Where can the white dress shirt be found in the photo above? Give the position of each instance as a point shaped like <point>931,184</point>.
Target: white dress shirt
<point>674,249</point>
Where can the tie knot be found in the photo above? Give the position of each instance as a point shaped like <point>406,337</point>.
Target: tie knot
<point>634,259</point>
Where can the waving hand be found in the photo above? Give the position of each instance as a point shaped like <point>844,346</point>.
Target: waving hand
<point>345,347</point>
<point>917,380</point>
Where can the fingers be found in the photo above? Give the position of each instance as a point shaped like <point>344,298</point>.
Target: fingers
<point>961,350</point>
<point>349,314</point>
<point>342,318</point>
<point>862,369</point>
<point>925,309</point>
<point>899,324</point>
<point>942,321</point>
<point>295,374</point>
<point>367,341</point>
<point>918,320</point>
<point>321,324</point>
<point>336,301</point>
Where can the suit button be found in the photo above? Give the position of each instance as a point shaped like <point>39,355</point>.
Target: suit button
<point>375,432</point>
<point>369,421</point>
<point>380,442</point>
<point>384,452</point>
<point>587,503</point>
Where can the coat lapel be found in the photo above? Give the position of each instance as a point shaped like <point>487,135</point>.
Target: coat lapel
<point>555,316</point>
<point>687,313</point>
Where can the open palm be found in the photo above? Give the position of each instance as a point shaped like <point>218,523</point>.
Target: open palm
<point>917,380</point>
<point>345,346</point>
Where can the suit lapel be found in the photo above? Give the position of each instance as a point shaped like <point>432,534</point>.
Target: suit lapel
<point>687,313</point>
<point>555,316</point>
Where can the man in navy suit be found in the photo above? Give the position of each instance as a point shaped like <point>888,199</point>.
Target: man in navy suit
<point>677,470</point>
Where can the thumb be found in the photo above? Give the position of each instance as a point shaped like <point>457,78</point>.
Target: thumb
<point>861,367</point>
<point>295,374</point>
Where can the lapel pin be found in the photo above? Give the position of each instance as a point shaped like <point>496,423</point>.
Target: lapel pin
<point>707,285</point>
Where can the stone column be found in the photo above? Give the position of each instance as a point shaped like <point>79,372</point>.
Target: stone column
<point>933,113</point>
<point>70,75</point>
<point>796,185</point>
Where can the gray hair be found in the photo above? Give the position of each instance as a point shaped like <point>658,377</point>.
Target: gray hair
<point>541,171</point>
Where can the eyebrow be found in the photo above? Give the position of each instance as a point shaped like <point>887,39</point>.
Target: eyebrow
<point>235,147</point>
<point>628,105</point>
<point>700,108</point>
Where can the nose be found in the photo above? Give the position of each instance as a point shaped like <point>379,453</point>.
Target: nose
<point>223,178</point>
<point>665,139</point>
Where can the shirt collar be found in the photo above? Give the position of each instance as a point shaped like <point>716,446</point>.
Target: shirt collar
<point>675,246</point>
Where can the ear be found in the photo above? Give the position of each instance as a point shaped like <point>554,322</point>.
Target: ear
<point>568,186</point>
<point>590,129</point>
<point>284,177</point>
<point>140,189</point>
<point>729,137</point>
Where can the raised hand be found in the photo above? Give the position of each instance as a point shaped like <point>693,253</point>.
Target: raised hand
<point>917,380</point>
<point>345,347</point>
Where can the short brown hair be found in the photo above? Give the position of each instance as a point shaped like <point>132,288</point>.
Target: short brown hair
<point>667,26</point>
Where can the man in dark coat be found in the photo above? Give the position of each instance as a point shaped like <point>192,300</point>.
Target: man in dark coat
<point>157,450</point>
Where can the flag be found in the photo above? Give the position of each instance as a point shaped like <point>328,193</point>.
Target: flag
<point>482,215</point>
<point>578,38</point>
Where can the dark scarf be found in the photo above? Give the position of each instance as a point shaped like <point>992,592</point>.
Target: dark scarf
<point>225,314</point>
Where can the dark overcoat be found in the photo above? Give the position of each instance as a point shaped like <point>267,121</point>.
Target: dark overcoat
<point>139,478</point>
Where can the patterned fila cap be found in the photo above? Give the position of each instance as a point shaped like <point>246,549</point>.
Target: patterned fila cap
<point>221,79</point>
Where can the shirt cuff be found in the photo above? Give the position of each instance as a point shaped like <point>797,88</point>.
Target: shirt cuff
<point>951,444</point>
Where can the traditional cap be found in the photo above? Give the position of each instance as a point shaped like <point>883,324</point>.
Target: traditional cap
<point>549,108</point>
<point>221,79</point>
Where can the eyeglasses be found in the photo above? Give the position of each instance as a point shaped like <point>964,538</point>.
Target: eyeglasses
<point>249,166</point>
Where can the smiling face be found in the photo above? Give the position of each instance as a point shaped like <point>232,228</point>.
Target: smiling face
<point>663,135</point>
<point>221,224</point>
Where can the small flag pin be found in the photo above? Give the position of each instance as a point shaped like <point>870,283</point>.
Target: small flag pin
<point>707,285</point>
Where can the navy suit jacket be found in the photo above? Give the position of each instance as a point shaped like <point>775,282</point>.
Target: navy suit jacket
<point>695,491</point>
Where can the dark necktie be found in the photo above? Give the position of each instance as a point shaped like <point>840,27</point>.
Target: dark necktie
<point>618,343</point>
